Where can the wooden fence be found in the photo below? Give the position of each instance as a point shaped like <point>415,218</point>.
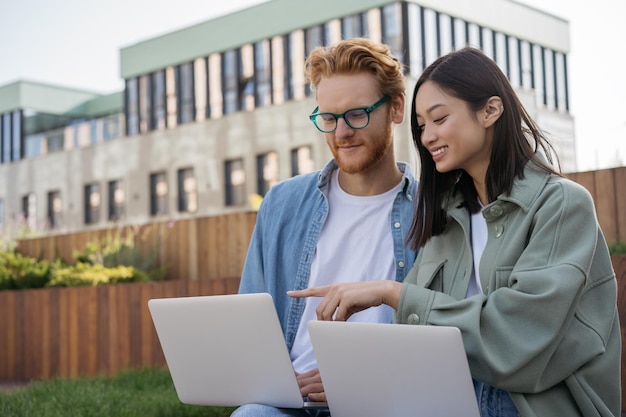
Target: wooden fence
<point>604,186</point>
<point>87,331</point>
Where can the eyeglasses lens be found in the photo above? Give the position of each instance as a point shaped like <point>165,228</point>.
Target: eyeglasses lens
<point>325,122</point>
<point>357,119</point>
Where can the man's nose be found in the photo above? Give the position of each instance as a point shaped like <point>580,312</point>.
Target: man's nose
<point>343,129</point>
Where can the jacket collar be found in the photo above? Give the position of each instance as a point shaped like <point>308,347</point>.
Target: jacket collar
<point>523,194</point>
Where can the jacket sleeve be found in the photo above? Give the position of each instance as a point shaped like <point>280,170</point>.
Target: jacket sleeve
<point>530,331</point>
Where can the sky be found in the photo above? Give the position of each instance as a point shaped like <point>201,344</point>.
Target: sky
<point>76,43</point>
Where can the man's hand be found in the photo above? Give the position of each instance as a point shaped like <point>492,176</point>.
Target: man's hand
<point>311,385</point>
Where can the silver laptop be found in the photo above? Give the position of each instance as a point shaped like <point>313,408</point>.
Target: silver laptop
<point>226,350</point>
<point>393,370</point>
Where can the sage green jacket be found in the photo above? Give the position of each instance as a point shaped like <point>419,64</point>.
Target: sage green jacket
<point>546,328</point>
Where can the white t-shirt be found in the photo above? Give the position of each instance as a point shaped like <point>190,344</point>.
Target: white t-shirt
<point>355,245</point>
<point>479,241</point>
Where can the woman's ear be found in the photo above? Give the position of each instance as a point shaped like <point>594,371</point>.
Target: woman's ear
<point>492,111</point>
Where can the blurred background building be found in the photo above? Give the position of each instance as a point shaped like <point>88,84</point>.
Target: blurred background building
<point>217,112</point>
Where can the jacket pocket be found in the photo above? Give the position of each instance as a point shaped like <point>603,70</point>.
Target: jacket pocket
<point>503,278</point>
<point>430,275</point>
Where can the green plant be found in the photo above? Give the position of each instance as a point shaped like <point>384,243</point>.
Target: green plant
<point>617,248</point>
<point>83,273</point>
<point>120,248</point>
<point>21,272</point>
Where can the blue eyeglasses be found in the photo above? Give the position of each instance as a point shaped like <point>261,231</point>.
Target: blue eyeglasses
<point>357,118</point>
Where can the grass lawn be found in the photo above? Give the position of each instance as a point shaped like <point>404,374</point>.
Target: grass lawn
<point>137,393</point>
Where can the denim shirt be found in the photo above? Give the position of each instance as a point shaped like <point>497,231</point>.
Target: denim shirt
<point>288,226</point>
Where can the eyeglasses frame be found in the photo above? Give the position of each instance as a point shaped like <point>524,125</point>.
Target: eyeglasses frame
<point>337,116</point>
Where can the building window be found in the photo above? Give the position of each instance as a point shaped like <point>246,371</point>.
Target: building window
<point>187,191</point>
<point>6,137</point>
<point>92,203</point>
<point>94,131</point>
<point>262,74</point>
<point>158,194</point>
<point>29,211</point>
<point>184,93</point>
<point>288,73</point>
<point>526,64</point>
<point>32,145</point>
<point>550,85</point>
<point>302,160</point>
<point>159,111</point>
<point>201,92</point>
<point>117,200</point>
<point>55,141</point>
<point>235,181</point>
<point>313,37</point>
<point>18,145</point>
<point>54,209</point>
<point>354,26</point>
<point>230,80</point>
<point>110,128</point>
<point>392,29</point>
<point>267,172</point>
<point>132,106</point>
<point>1,138</point>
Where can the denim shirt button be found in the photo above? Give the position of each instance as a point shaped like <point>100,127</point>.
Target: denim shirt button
<point>401,264</point>
<point>413,319</point>
<point>396,225</point>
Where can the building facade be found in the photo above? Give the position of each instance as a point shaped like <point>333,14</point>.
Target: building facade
<point>217,112</point>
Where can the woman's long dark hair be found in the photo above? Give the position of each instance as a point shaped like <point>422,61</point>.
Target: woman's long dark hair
<point>470,75</point>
